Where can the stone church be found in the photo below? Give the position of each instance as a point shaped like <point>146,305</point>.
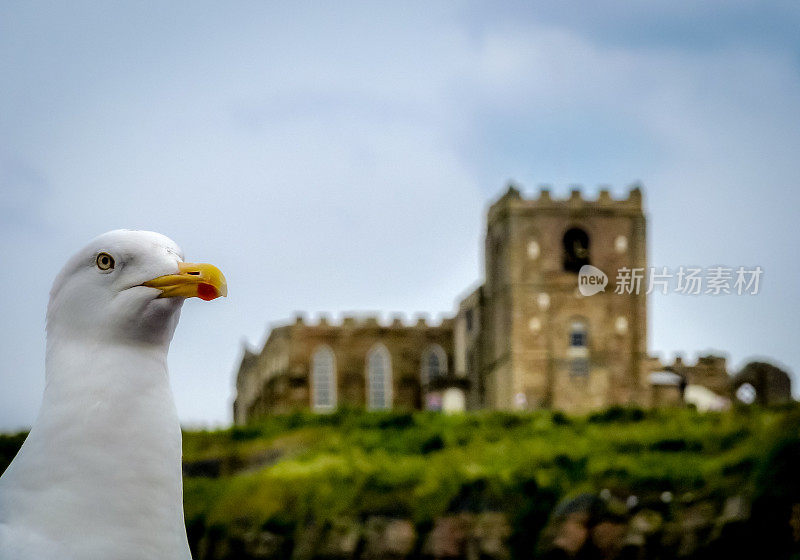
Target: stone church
<point>525,339</point>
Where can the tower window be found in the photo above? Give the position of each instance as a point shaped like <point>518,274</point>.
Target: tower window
<point>577,339</point>
<point>621,244</point>
<point>576,249</point>
<point>578,351</point>
<point>577,335</point>
<point>579,367</point>
<point>533,249</point>
<point>468,317</point>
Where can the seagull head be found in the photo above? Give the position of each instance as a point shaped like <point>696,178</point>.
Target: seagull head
<point>127,286</point>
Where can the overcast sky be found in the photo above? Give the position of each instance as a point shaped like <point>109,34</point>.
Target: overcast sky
<point>334,159</point>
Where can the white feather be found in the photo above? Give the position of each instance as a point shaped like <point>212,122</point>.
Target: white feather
<point>99,476</point>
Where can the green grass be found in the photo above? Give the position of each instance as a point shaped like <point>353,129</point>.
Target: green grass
<point>319,468</point>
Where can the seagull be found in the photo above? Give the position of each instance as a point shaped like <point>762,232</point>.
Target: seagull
<point>99,475</point>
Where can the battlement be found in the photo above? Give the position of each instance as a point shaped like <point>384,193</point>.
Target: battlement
<point>372,321</point>
<point>708,360</point>
<point>513,199</point>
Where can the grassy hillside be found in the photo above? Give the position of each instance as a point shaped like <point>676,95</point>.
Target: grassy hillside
<point>294,471</point>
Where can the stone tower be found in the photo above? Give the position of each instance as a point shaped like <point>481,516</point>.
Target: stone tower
<point>542,343</point>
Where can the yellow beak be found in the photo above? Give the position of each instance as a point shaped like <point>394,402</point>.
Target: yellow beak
<point>193,280</point>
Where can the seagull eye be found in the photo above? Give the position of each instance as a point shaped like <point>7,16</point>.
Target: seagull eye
<point>105,261</point>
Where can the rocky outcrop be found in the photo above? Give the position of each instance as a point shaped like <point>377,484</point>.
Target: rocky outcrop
<point>471,536</point>
<point>596,527</point>
<point>613,528</point>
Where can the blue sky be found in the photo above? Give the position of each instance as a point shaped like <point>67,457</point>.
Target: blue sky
<point>340,158</point>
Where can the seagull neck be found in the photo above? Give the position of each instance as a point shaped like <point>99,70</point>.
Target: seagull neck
<point>106,389</point>
<point>107,418</point>
<point>104,363</point>
<point>114,397</point>
<point>105,451</point>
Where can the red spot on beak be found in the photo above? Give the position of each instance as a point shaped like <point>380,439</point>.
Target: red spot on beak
<point>207,292</point>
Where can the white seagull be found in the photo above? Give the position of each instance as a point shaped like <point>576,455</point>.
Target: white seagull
<point>99,476</point>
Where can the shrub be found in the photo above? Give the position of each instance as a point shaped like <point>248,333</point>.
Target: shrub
<point>618,414</point>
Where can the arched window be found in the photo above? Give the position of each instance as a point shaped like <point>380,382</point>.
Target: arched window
<point>379,378</point>
<point>576,249</point>
<point>433,364</point>
<point>323,379</point>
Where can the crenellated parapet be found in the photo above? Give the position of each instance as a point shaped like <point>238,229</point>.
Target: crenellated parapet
<point>395,321</point>
<point>512,199</point>
<point>710,361</point>
<point>709,371</point>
